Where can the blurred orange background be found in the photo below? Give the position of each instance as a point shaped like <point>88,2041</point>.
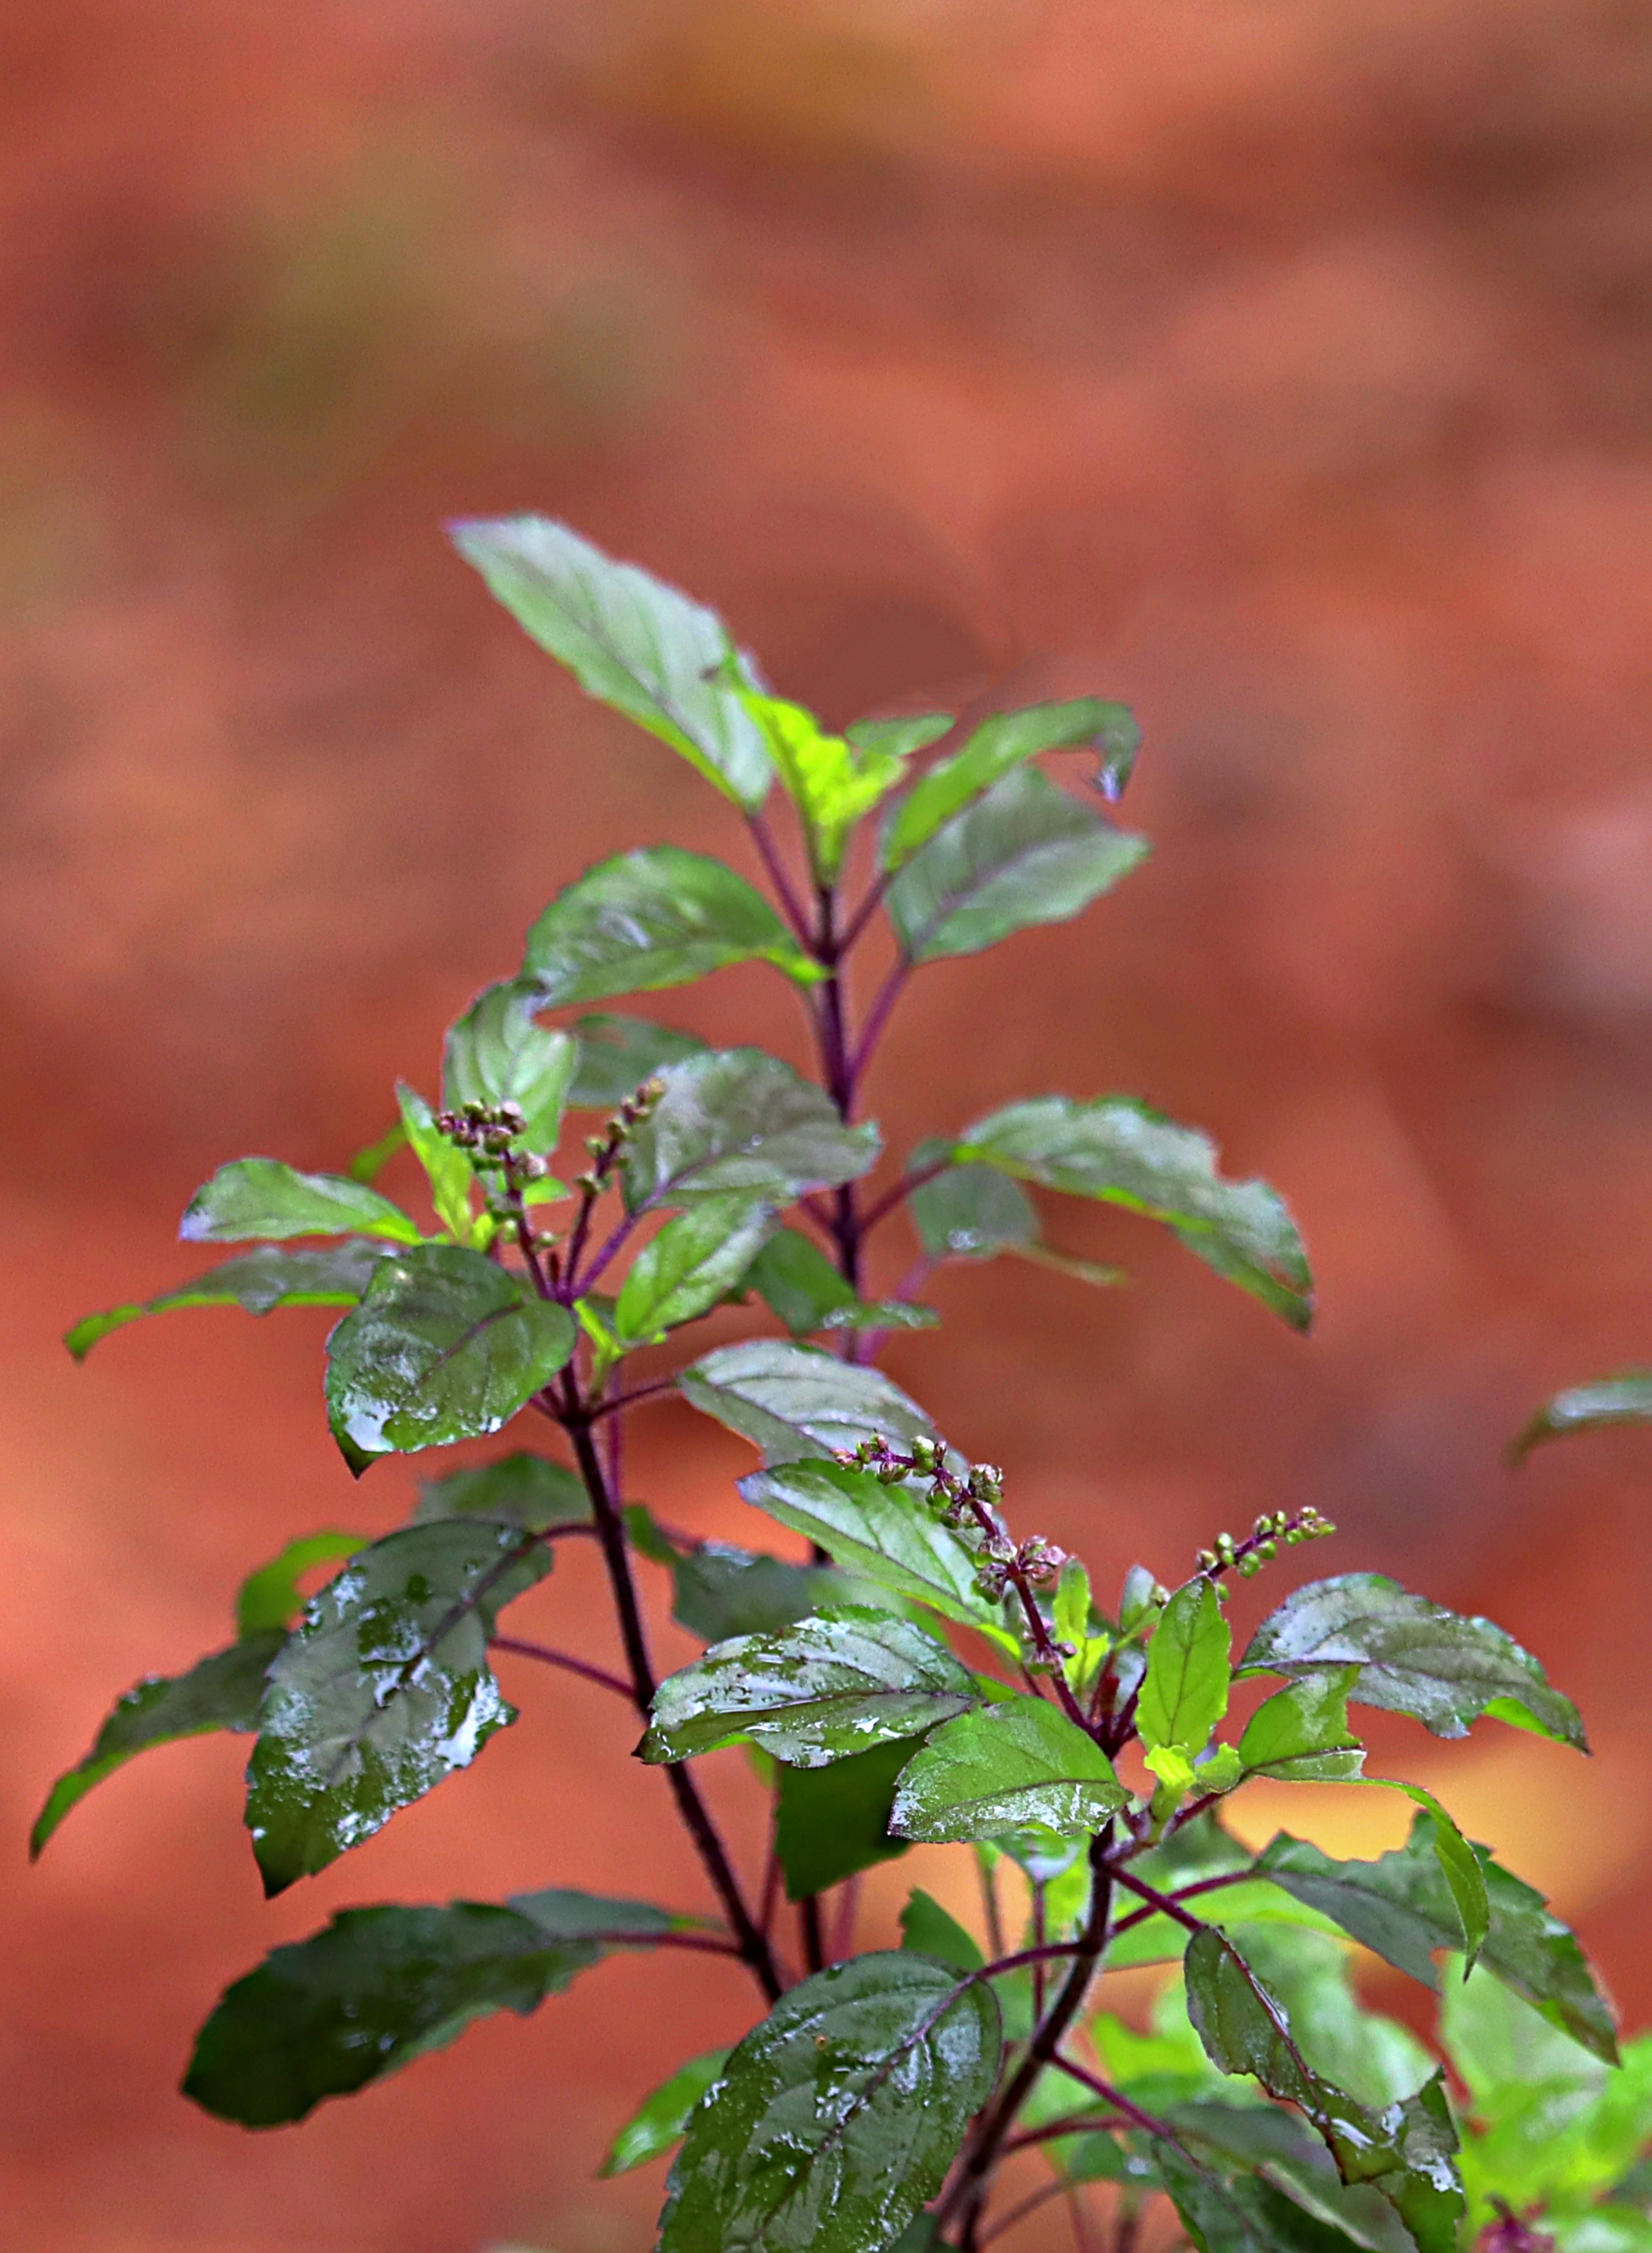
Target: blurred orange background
<point>1279,367</point>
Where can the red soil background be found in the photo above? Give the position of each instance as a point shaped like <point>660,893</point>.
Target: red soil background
<point>1281,368</point>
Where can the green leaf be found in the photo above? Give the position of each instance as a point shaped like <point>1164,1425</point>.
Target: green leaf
<point>833,781</point>
<point>831,1823</point>
<point>1125,1153</point>
<point>657,2125</point>
<point>617,1054</point>
<point>927,1929</point>
<point>261,1197</point>
<point>219,1691</point>
<point>258,1282</point>
<point>1185,1693</point>
<point>1300,1735</point>
<point>1237,2211</point>
<point>1413,1657</point>
<point>383,1692</point>
<point>878,1530</point>
<point>968,1213</point>
<point>1458,1866</point>
<point>1026,854</point>
<point>1291,2161</point>
<point>794,1403</point>
<point>1002,742</point>
<point>521,1489</point>
<point>903,735</point>
<point>269,1597</point>
<point>1501,2048</point>
<point>723,1591</point>
<point>380,1987</point>
<point>447,1168</point>
<point>694,1261</point>
<point>1626,1398</point>
<point>629,640</point>
<point>496,1053</point>
<point>1400,1906</point>
<point>1002,1766</point>
<point>1309,1974</point>
<point>737,1119</point>
<point>446,1345</point>
<point>836,2118</point>
<point>796,1282</point>
<point>368,1164</point>
<point>820,1689</point>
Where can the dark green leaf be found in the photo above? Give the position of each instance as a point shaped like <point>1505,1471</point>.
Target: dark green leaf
<point>723,1591</point>
<point>629,640</point>
<point>521,1489</point>
<point>617,1054</point>
<point>1300,1735</point>
<point>1274,2146</point>
<point>903,735</point>
<point>261,1196</point>
<point>258,1282</point>
<point>833,781</point>
<point>496,1053</point>
<point>447,1168</point>
<point>1125,1153</point>
<point>381,1986</point>
<point>657,2125</point>
<point>383,1692</point>
<point>1626,1398</point>
<point>446,1345</point>
<point>1185,1693</point>
<point>1231,2211</point>
<point>1309,1974</point>
<point>220,1691</point>
<point>968,1213</point>
<point>735,1118</point>
<point>1413,1657</point>
<point>1458,1866</point>
<point>836,2118</point>
<point>796,1404</point>
<point>927,1929</point>
<point>1002,742</point>
<point>832,1821</point>
<point>879,1530</point>
<point>820,1689</point>
<point>1002,1766</point>
<point>694,1261</point>
<point>270,1598</point>
<point>1026,854</point>
<point>799,1284</point>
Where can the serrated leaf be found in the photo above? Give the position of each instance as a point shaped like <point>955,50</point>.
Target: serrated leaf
<point>617,1053</point>
<point>1414,1657</point>
<point>832,1823</point>
<point>657,2125</point>
<point>836,2119</point>
<point>1026,854</point>
<point>821,1689</point>
<point>258,1282</point>
<point>261,1196</point>
<point>1458,1866</point>
<point>219,1691</point>
<point>1310,1975</point>
<point>1122,1153</point>
<point>445,1345</point>
<point>968,1213</point>
<point>270,1599</point>
<point>878,1530</point>
<point>1003,1766</point>
<point>723,1591</point>
<point>1626,1398</point>
<point>496,1053</point>
<point>1002,742</point>
<point>1284,2155</point>
<point>521,1489</point>
<point>629,639</point>
<point>447,1168</point>
<point>1232,2211</point>
<point>656,916</point>
<point>1185,1691</point>
<point>694,1261</point>
<point>928,1929</point>
<point>735,1118</point>
<point>831,781</point>
<point>1300,1735</point>
<point>380,1987</point>
<point>794,1403</point>
<point>383,1692</point>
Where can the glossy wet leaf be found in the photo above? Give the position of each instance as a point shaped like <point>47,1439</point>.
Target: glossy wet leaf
<point>1000,744</point>
<point>617,1053</point>
<point>836,2119</point>
<point>497,1053</point>
<point>1310,1975</point>
<point>1414,1657</point>
<point>820,1689</point>
<point>1185,1691</point>
<point>722,1591</point>
<point>1277,2148</point>
<point>928,1929</point>
<point>1228,2209</point>
<point>270,1597</point>
<point>737,1119</point>
<point>383,1692</point>
<point>799,1284</point>
<point>968,1213</point>
<point>832,1823</point>
<point>1122,1153</point>
<point>257,1282</point>
<point>521,1489</point>
<point>1026,854</point>
<point>696,1259</point>
<point>447,1168</point>
<point>220,1691</point>
<point>657,2125</point>
<point>832,780</point>
<point>1300,1735</point>
<point>879,1530</point>
<point>1626,1398</point>
<point>445,1345</point>
<point>794,1403</point>
<point>629,639</point>
<point>380,1987</point>
<point>1002,1766</point>
<point>1459,1865</point>
<point>261,1196</point>
<point>656,916</point>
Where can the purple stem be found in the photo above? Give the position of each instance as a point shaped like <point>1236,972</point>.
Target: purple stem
<point>627,1400</point>
<point>549,1657</point>
<point>902,1189</point>
<point>1186,1893</point>
<point>791,907</point>
<point>878,1016</point>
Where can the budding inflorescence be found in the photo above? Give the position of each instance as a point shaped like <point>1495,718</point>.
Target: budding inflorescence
<point>967,1501</point>
<point>487,1131</point>
<point>1271,1531</point>
<point>605,1147</point>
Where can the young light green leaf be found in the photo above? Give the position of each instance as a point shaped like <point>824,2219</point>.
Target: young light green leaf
<point>1026,854</point>
<point>335,1275</point>
<point>447,1168</point>
<point>1002,742</point>
<point>880,1532</point>
<point>1458,1866</point>
<point>220,1691</point>
<point>1125,1153</point>
<point>380,1987</point>
<point>928,1929</point>
<point>833,781</point>
<point>836,2118</point>
<point>1002,1766</point>
<point>369,1163</point>
<point>445,1345</point>
<point>1413,1657</point>
<point>799,1284</point>
<point>261,1196</point>
<point>694,1261</point>
<point>657,2125</point>
<point>723,1591</point>
<point>496,1053</point>
<point>269,1597</point>
<point>521,1489</point>
<point>1500,2049</point>
<point>1300,1735</point>
<point>795,1403</point>
<point>1626,1398</point>
<point>832,1823</point>
<point>618,1054</point>
<point>820,1689</point>
<point>383,1692</point>
<point>735,1118</point>
<point>1185,1693</point>
<point>629,640</point>
<point>968,1213</point>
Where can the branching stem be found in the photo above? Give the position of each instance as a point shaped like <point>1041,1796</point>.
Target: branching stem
<point>563,1658</point>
